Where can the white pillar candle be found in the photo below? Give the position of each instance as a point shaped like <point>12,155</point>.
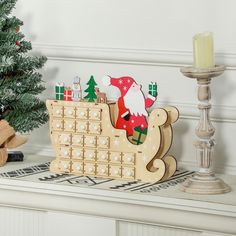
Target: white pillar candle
<point>203,49</point>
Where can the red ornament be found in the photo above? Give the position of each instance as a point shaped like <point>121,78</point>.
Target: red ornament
<point>18,43</point>
<point>68,94</point>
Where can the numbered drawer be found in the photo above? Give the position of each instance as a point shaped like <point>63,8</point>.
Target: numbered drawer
<point>57,111</point>
<point>89,155</point>
<point>128,173</point>
<point>69,125</point>
<point>103,142</point>
<point>82,113</point>
<point>95,114</point>
<point>57,124</point>
<point>77,153</point>
<point>90,141</point>
<point>89,169</point>
<point>102,156</point>
<point>115,171</point>
<point>95,127</point>
<point>115,157</point>
<point>69,112</point>
<point>64,166</point>
<point>128,158</point>
<point>65,152</point>
<point>77,140</point>
<point>102,170</point>
<point>81,126</point>
<point>65,139</point>
<point>55,138</point>
<point>77,167</point>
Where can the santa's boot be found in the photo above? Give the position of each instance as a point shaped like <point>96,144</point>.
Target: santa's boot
<point>6,131</point>
<point>3,156</point>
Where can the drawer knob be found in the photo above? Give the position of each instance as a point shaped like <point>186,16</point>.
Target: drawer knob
<point>90,169</point>
<point>82,127</point>
<point>66,153</point>
<point>116,158</point>
<point>116,172</point>
<point>91,155</point>
<point>82,113</point>
<point>95,114</point>
<point>103,157</point>
<point>70,126</point>
<point>78,140</point>
<point>104,142</point>
<point>70,112</point>
<point>128,173</point>
<point>91,141</point>
<point>58,125</point>
<point>58,112</point>
<point>78,154</point>
<point>129,159</point>
<point>103,171</point>
<point>78,168</point>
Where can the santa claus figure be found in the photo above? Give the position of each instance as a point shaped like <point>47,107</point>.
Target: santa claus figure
<point>132,104</point>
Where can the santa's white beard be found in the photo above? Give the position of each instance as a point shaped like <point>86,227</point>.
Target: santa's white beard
<point>135,102</point>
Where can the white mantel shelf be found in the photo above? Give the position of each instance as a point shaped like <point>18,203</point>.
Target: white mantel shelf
<point>169,207</point>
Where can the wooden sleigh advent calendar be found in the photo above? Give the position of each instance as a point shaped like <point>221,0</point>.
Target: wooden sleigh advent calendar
<point>86,142</point>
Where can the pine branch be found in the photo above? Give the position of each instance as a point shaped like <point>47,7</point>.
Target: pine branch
<point>6,7</point>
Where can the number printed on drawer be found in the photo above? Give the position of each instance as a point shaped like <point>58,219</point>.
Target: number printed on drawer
<point>57,124</point>
<point>77,153</point>
<point>65,152</point>
<point>77,140</point>
<point>95,114</point>
<point>90,141</point>
<point>77,167</point>
<point>115,171</point>
<point>102,170</point>
<point>128,158</point>
<point>102,156</point>
<point>82,113</point>
<point>57,111</point>
<point>94,127</point>
<point>65,166</point>
<point>89,154</point>
<point>89,169</point>
<point>69,125</point>
<point>115,157</point>
<point>65,139</point>
<point>128,173</point>
<point>81,126</point>
<point>69,112</point>
<point>103,142</point>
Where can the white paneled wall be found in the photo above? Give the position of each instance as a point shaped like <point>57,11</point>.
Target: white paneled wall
<point>148,40</point>
<point>22,222</point>
<point>134,229</point>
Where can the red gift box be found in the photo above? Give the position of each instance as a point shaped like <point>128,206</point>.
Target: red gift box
<point>68,95</point>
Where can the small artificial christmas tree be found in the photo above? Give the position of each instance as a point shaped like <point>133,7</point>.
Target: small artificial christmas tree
<point>91,96</point>
<point>19,80</point>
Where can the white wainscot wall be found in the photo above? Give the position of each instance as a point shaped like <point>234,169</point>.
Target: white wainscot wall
<point>149,40</point>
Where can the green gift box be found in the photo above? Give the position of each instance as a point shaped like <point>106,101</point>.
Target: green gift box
<point>139,135</point>
<point>60,87</point>
<point>152,87</point>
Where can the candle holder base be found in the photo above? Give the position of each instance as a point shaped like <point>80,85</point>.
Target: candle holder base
<point>204,184</point>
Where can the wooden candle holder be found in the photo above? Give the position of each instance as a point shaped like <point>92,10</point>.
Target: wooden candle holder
<point>86,142</point>
<point>204,181</point>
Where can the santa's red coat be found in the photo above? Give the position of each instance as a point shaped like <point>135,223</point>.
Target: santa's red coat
<point>134,120</point>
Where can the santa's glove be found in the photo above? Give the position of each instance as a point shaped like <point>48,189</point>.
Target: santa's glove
<point>127,117</point>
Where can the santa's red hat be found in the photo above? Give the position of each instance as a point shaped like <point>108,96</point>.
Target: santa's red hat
<point>122,83</point>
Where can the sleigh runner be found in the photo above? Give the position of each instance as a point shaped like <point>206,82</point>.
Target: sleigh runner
<point>86,142</point>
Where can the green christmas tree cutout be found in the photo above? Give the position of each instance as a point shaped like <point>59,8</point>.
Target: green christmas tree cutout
<point>91,96</point>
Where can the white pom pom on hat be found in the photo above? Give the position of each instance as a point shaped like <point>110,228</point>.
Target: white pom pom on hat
<point>106,80</point>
